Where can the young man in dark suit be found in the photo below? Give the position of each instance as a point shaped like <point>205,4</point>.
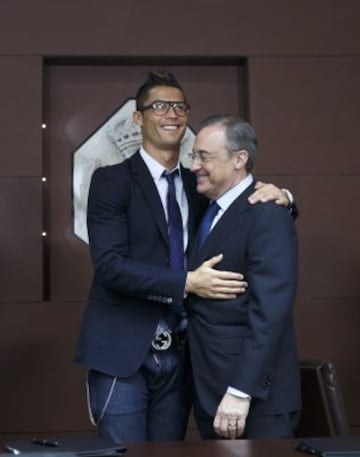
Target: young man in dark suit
<point>243,351</point>
<point>133,330</point>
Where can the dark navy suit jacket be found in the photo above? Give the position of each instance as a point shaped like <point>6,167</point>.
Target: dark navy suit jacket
<point>249,342</point>
<point>130,252</point>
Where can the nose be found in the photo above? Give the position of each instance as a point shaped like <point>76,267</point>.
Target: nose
<point>171,112</point>
<point>195,164</point>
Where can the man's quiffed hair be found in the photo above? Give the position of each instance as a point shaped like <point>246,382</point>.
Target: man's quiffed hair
<point>154,79</point>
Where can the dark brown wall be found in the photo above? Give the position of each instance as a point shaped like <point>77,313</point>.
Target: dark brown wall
<point>303,66</point>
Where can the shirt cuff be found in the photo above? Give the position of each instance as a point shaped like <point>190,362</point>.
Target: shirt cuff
<point>237,393</point>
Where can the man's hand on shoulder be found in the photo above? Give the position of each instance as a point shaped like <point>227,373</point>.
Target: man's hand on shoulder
<point>207,282</point>
<point>267,192</point>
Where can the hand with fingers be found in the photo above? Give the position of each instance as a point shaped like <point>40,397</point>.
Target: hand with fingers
<point>230,419</point>
<point>266,192</point>
<point>207,282</point>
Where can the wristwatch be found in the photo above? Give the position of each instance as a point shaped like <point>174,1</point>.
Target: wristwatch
<point>289,196</point>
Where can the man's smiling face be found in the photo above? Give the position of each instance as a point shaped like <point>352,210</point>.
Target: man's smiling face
<point>162,132</point>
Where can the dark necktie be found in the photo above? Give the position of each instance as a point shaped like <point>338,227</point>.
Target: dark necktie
<point>175,314</point>
<point>175,225</point>
<point>206,222</point>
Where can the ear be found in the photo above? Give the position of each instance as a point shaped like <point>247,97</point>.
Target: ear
<point>138,118</point>
<point>241,159</point>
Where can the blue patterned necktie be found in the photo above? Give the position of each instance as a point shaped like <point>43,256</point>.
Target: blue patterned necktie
<point>175,224</point>
<point>206,222</point>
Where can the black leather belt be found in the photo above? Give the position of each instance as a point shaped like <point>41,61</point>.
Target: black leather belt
<point>166,339</point>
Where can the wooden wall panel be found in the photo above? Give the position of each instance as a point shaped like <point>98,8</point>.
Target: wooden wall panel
<point>328,329</point>
<point>329,227</point>
<point>21,260</point>
<point>305,111</point>
<point>200,28</point>
<point>43,390</point>
<point>20,115</point>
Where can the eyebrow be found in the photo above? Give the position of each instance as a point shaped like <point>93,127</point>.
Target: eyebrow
<point>202,151</point>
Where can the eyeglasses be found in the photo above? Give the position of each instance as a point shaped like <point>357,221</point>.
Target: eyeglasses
<point>161,107</point>
<point>201,156</point>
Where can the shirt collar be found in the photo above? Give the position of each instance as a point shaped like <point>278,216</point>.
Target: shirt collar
<point>225,200</point>
<point>156,169</point>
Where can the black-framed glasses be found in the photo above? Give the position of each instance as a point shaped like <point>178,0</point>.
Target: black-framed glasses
<point>161,107</point>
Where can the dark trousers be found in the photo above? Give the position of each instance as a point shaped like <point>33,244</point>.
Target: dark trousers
<point>152,405</point>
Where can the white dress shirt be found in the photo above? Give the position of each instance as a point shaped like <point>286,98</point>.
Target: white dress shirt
<point>156,171</point>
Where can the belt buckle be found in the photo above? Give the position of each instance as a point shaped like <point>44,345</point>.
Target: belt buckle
<point>162,341</point>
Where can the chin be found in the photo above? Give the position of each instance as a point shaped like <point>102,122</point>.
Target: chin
<point>201,189</point>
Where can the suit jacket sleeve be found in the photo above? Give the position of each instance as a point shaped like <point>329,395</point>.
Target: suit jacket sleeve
<point>271,272</point>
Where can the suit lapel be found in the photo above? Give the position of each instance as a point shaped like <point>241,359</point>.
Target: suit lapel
<point>142,176</point>
<point>196,202</point>
<point>231,220</point>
